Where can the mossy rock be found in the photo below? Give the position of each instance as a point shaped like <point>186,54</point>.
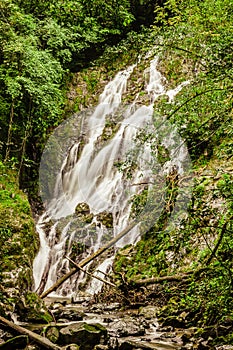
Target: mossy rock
<point>52,334</point>
<point>31,308</point>
<point>19,242</point>
<point>83,334</point>
<point>83,212</point>
<point>106,219</point>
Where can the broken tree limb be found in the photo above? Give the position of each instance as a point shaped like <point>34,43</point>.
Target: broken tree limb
<point>90,274</point>
<point>47,344</point>
<point>91,257</point>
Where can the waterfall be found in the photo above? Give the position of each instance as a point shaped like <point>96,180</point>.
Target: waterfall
<point>94,180</point>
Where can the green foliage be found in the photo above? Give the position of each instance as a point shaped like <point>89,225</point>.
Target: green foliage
<point>17,240</point>
<point>195,44</point>
<point>38,43</point>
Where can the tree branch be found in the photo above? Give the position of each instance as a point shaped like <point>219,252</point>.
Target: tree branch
<point>88,259</point>
<point>90,274</point>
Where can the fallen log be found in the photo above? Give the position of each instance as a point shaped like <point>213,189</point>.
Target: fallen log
<point>171,278</point>
<point>90,274</point>
<point>155,280</point>
<point>47,344</point>
<point>89,259</point>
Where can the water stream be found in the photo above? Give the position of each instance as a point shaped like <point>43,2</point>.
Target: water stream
<point>90,200</point>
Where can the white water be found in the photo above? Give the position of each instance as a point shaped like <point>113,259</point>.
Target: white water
<point>93,178</point>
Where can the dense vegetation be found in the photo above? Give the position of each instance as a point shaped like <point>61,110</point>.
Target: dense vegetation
<point>196,44</point>
<point>41,42</point>
<point>44,43</point>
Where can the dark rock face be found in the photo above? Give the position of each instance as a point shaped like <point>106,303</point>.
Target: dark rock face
<point>83,334</point>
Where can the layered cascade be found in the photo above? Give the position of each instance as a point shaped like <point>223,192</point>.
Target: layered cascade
<point>112,159</point>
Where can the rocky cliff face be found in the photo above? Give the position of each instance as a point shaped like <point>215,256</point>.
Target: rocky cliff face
<point>18,246</point>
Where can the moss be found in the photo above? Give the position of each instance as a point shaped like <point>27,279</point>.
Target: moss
<point>31,308</point>
<point>52,334</point>
<point>18,246</point>
<point>83,213</point>
<point>106,219</point>
<point>96,328</point>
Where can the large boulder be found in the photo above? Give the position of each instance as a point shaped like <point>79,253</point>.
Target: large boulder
<point>71,313</point>
<point>127,326</point>
<point>83,334</point>
<point>30,308</point>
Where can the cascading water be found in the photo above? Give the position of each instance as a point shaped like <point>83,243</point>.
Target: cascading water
<point>91,200</point>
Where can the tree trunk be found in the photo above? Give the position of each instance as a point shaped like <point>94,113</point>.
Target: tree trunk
<point>27,132</point>
<point>9,135</point>
<point>33,336</point>
<point>172,278</point>
<point>156,280</point>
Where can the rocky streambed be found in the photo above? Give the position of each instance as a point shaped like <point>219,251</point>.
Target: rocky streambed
<point>86,326</point>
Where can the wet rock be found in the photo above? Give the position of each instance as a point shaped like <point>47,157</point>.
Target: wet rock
<point>56,306</point>
<point>189,346</point>
<point>224,330</point>
<point>83,212</point>
<point>69,314</point>
<point>112,307</point>
<point>101,347</point>
<point>127,326</point>
<point>84,335</point>
<point>52,334</point>
<point>166,329</point>
<point>149,312</point>
<point>185,335</point>
<point>106,219</point>
<point>97,308</point>
<point>113,343</point>
<point>169,335</point>
<point>30,308</point>
<point>71,347</point>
